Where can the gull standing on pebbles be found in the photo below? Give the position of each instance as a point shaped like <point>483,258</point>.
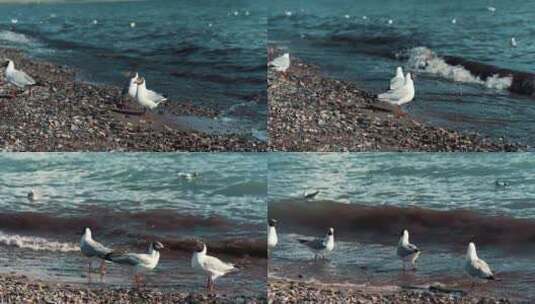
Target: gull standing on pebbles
<point>281,63</point>
<point>18,78</point>
<point>476,267</point>
<point>272,234</point>
<point>401,95</point>
<point>93,249</point>
<point>142,262</point>
<point>320,247</point>
<point>210,265</point>
<point>146,98</point>
<point>406,251</point>
<point>398,80</point>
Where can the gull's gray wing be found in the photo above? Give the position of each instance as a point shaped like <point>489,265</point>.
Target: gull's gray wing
<point>21,79</point>
<point>316,244</point>
<point>95,249</point>
<point>132,259</point>
<point>405,251</point>
<point>214,264</point>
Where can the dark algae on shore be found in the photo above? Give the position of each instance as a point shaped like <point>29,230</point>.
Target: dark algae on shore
<point>311,112</point>
<point>64,114</point>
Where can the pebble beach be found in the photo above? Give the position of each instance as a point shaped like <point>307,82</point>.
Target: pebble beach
<point>312,112</point>
<point>63,113</point>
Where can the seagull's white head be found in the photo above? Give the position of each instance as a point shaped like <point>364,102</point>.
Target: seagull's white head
<point>86,232</point>
<point>404,237</point>
<point>399,72</point>
<point>471,253</point>
<point>330,232</point>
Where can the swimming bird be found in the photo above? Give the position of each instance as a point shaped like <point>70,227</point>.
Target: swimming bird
<point>320,247</point>
<point>401,95</point>
<point>454,21</point>
<point>501,184</point>
<point>390,21</point>
<point>188,176</point>
<point>18,78</point>
<point>513,42</point>
<point>33,195</point>
<point>132,24</point>
<point>142,262</point>
<point>272,238</point>
<point>491,9</point>
<point>476,267</point>
<point>281,63</point>
<point>146,98</point>
<point>311,195</point>
<point>406,251</point>
<point>398,80</point>
<point>210,265</point>
<point>93,249</point>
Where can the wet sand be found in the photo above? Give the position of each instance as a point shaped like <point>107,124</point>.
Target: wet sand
<point>21,289</point>
<point>296,291</point>
<point>64,114</point>
<point>311,112</point>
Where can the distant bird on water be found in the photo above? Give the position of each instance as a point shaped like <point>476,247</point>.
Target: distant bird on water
<point>310,195</point>
<point>406,251</point>
<point>272,234</point>
<point>513,42</point>
<point>33,195</point>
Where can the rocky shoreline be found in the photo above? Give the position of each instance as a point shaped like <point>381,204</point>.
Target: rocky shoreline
<point>20,289</point>
<point>64,114</point>
<point>282,291</point>
<point>310,112</point>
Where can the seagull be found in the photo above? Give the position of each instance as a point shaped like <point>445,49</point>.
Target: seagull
<point>132,24</point>
<point>272,238</point>
<point>491,9</point>
<point>398,80</point>
<point>91,249</point>
<point>311,195</point>
<point>145,97</point>
<point>454,21</point>
<point>407,251</point>
<point>210,265</point>
<point>390,21</point>
<point>513,42</point>
<point>33,196</point>
<point>501,184</point>
<point>188,176</point>
<point>401,95</point>
<point>320,247</point>
<point>18,78</point>
<point>281,63</point>
<point>476,267</point>
<point>142,262</point>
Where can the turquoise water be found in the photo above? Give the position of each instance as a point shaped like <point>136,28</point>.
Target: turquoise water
<point>129,200</point>
<point>210,52</point>
<point>353,40</point>
<point>445,200</point>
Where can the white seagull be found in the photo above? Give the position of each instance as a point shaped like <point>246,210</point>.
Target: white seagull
<point>33,195</point>
<point>476,267</point>
<point>320,247</point>
<point>93,249</point>
<point>272,234</point>
<point>406,251</point>
<point>145,97</point>
<point>188,176</point>
<point>18,78</point>
<point>210,265</point>
<point>281,63</point>
<point>401,95</point>
<point>398,80</point>
<point>142,262</point>
<point>513,42</point>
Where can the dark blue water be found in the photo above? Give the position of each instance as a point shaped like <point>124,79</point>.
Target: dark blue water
<point>353,40</point>
<point>208,52</point>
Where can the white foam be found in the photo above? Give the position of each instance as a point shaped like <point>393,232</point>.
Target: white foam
<point>424,59</point>
<point>10,36</point>
<point>36,243</point>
